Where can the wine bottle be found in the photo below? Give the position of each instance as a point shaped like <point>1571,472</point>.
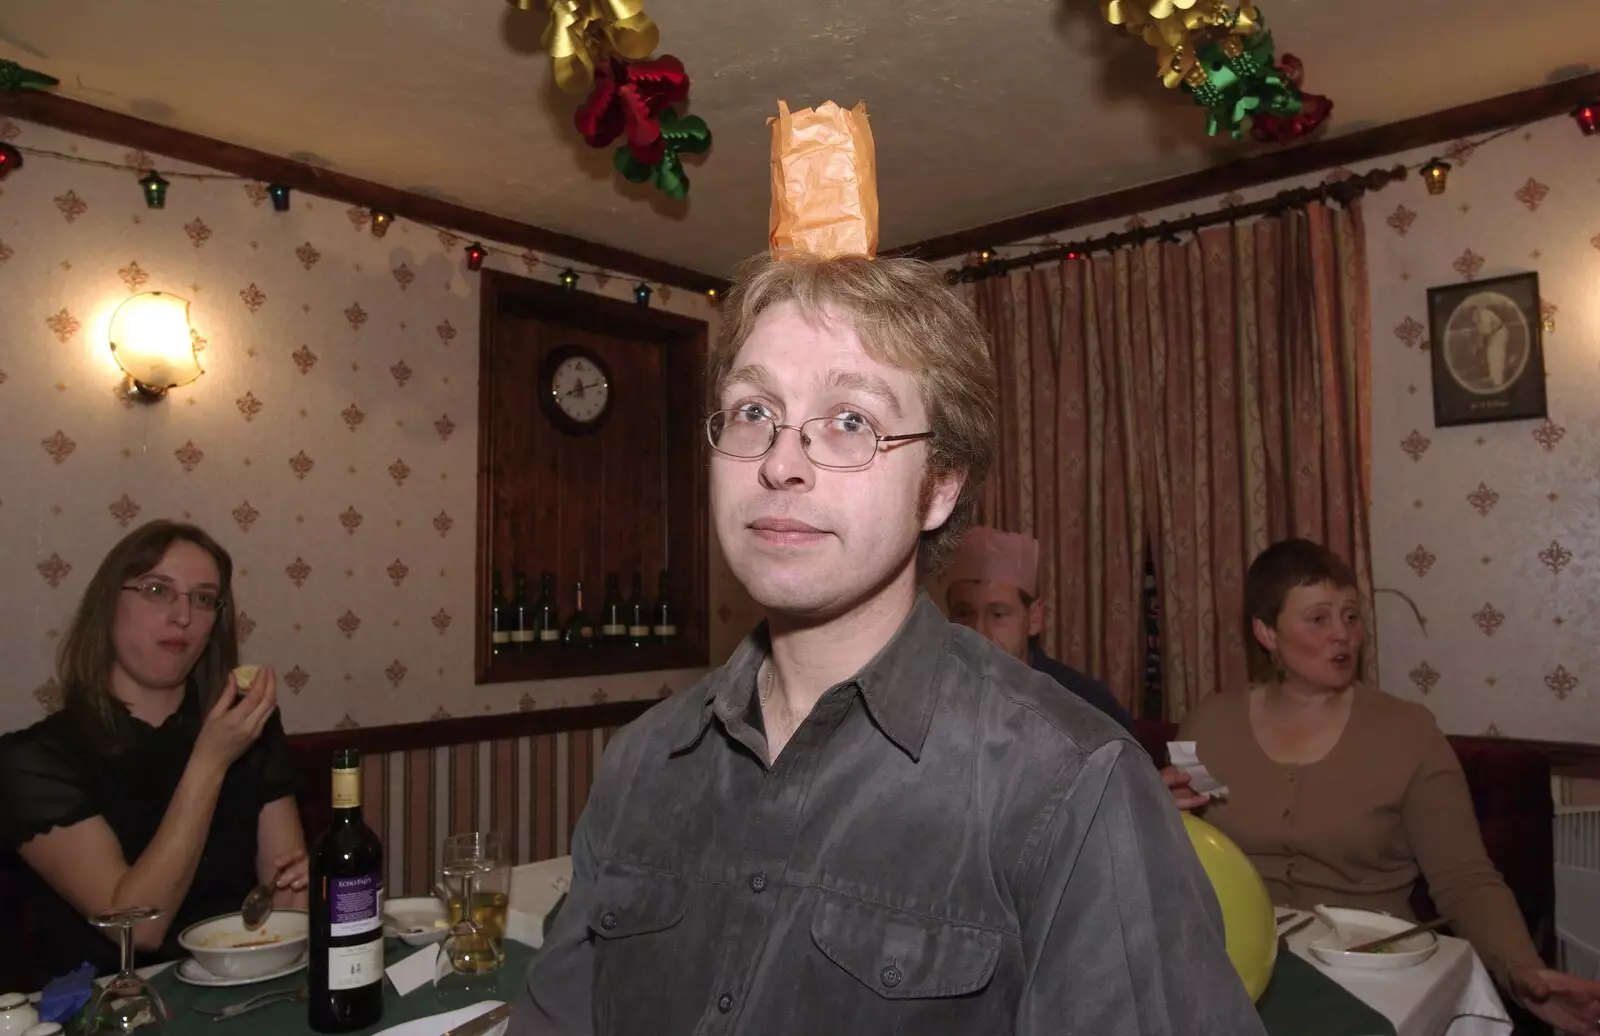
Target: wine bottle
<point>547,618</point>
<point>638,613</point>
<point>579,632</point>
<point>346,911</point>
<point>522,617</point>
<point>663,626</point>
<point>612,629</point>
<point>500,617</point>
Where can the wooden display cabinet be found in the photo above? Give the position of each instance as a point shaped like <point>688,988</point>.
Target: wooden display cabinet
<point>581,498</point>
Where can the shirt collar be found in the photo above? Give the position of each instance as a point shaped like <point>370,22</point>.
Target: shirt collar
<point>898,685</point>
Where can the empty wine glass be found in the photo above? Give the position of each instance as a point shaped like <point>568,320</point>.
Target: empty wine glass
<point>127,1003</point>
<point>468,965</point>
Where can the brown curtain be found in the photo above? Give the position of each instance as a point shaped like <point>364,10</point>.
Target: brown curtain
<point>1199,400</point>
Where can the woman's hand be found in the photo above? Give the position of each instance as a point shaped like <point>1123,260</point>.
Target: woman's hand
<point>234,723</point>
<point>1183,796</point>
<point>294,870</point>
<point>1569,1003</point>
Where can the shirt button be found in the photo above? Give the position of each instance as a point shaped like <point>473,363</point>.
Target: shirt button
<point>725,1003</point>
<point>608,920</point>
<point>890,976</point>
<point>758,882</point>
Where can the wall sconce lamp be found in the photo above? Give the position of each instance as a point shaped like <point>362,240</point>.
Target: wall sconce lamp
<point>153,344</point>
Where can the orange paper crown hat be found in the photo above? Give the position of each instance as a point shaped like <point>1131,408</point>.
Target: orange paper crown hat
<point>1007,557</point>
<point>824,182</point>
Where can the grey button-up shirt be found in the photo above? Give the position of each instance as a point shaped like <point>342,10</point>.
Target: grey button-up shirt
<point>948,844</point>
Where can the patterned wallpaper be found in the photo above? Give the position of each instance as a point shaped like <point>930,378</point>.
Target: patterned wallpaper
<point>331,444</point>
<point>1493,531</point>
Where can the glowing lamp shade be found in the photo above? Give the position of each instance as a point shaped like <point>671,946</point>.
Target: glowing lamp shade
<point>152,343</point>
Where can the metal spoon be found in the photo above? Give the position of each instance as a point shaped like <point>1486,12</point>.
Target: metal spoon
<point>257,907</point>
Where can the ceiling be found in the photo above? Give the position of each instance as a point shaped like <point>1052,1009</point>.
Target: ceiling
<point>981,110</point>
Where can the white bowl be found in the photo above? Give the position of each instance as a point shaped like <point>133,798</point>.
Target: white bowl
<point>226,949</point>
<point>416,920</point>
<point>1358,926</point>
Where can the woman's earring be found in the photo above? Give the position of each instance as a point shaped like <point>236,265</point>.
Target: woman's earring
<point>1278,670</point>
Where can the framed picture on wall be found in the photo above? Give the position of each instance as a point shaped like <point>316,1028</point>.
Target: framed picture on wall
<point>1488,357</point>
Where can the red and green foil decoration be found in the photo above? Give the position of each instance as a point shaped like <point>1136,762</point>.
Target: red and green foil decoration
<point>634,100</point>
<point>14,77</point>
<point>603,48</point>
<point>1223,57</point>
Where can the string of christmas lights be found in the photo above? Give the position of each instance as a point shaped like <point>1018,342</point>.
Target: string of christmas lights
<point>1435,174</point>
<point>155,184</point>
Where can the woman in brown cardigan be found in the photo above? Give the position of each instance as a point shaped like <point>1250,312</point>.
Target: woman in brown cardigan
<point>1341,794</point>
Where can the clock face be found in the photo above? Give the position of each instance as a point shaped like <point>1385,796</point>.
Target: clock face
<point>579,389</point>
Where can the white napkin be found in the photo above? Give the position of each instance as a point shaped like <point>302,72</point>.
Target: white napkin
<point>413,971</point>
<point>438,1024</point>
<point>1200,779</point>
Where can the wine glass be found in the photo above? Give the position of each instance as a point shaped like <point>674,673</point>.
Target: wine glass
<point>468,965</point>
<point>127,1003</point>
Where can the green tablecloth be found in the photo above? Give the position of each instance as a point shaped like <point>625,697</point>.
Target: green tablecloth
<point>1300,1001</point>
<point>290,1019</point>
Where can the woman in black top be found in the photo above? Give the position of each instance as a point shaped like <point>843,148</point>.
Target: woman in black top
<point>158,783</point>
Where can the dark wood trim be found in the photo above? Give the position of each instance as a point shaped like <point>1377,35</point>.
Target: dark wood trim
<point>404,737</point>
<point>1364,145</point>
<point>1566,758</point>
<point>86,120</point>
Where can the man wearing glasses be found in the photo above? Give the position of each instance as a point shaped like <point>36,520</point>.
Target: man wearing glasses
<point>870,820</point>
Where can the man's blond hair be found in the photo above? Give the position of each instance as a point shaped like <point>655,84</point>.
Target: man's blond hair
<point>906,317</point>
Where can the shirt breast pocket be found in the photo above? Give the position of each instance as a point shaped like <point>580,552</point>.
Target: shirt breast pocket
<point>636,919</point>
<point>902,956</point>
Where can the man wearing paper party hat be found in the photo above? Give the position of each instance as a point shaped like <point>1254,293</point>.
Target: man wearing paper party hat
<point>992,586</point>
<point>868,819</point>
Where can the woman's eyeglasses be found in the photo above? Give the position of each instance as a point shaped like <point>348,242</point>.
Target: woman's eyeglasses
<point>154,591</point>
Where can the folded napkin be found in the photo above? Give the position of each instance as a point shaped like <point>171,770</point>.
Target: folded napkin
<point>1201,782</point>
<point>439,1024</point>
<point>64,996</point>
<point>414,970</point>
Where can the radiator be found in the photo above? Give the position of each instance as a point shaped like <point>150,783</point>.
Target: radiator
<point>1577,852</point>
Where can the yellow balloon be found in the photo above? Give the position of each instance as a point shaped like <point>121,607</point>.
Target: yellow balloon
<point>1248,921</point>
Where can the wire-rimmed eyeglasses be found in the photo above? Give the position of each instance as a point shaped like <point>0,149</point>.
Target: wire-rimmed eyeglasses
<point>154,591</point>
<point>843,441</point>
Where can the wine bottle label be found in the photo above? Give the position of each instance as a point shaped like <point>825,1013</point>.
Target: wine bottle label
<point>522,636</point>
<point>548,635</point>
<point>614,629</point>
<point>346,789</point>
<point>638,631</point>
<point>356,904</point>
<point>586,632</point>
<point>352,967</point>
<point>502,636</point>
<point>666,631</point>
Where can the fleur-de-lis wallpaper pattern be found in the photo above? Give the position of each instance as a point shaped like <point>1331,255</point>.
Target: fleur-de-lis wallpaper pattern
<point>1493,531</point>
<point>330,445</point>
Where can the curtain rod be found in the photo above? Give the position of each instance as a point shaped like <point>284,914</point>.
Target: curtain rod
<point>1343,192</point>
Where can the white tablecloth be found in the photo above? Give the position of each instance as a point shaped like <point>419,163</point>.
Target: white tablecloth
<point>1449,994</point>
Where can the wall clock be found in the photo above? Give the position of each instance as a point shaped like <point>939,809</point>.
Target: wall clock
<point>575,389</point>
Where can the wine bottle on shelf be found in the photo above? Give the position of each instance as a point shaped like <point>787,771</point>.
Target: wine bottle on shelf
<point>547,617</point>
<point>638,613</point>
<point>346,911</point>
<point>521,617</point>
<point>500,617</point>
<point>663,626</point>
<point>612,629</point>
<point>579,632</point>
